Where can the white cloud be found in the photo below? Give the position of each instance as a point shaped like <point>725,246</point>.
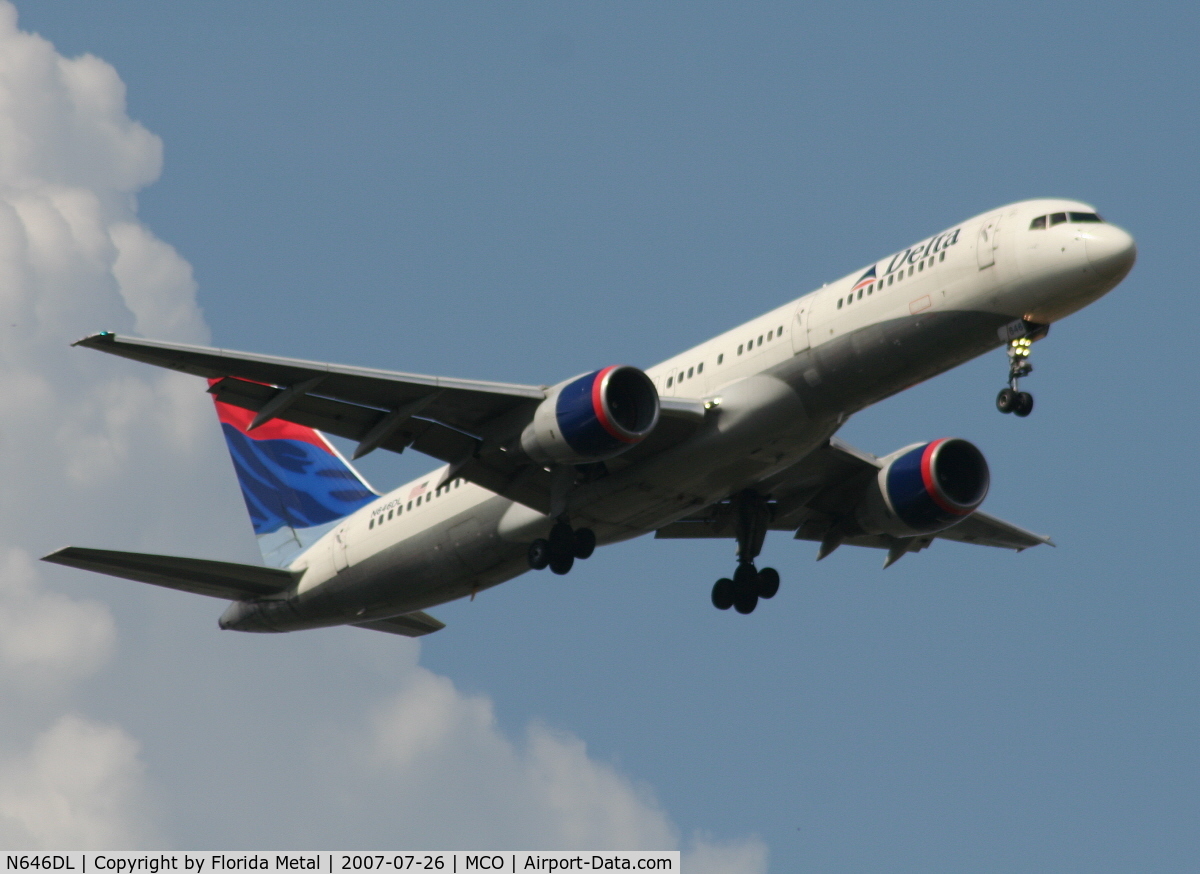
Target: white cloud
<point>438,763</point>
<point>461,776</point>
<point>72,257</point>
<point>47,639</point>
<point>78,787</point>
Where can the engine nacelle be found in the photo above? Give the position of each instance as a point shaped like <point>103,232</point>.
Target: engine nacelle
<point>925,488</point>
<point>592,417</point>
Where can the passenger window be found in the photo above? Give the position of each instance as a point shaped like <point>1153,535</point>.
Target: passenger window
<point>700,367</point>
<point>739,348</point>
<point>1038,223</point>
<point>840,302</point>
<point>921,266</point>
<point>689,373</point>
<point>670,380</point>
<point>889,280</point>
<point>1057,218</point>
<point>390,512</point>
<point>372,525</point>
<point>410,505</point>
<point>770,334</point>
<point>1085,217</point>
<point>860,294</point>
<point>720,358</point>
<point>942,256</point>
<point>760,339</point>
<point>779,331</point>
<point>910,271</point>
<point>419,499</point>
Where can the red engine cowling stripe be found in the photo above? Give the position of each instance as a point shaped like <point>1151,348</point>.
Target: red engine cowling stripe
<point>931,486</point>
<point>598,408</point>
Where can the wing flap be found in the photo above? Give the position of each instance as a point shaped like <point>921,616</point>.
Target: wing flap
<point>216,579</point>
<point>415,624</point>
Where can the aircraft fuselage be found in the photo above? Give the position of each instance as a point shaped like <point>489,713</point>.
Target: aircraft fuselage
<point>775,388</point>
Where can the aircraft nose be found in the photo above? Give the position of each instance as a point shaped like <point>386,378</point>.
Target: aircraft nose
<point>1110,250</point>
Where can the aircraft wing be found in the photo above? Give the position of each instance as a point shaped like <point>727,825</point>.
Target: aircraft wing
<point>448,419</point>
<point>815,496</point>
<point>216,579</point>
<point>458,403</point>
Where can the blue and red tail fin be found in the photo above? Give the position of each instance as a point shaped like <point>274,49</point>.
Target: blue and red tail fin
<point>295,483</point>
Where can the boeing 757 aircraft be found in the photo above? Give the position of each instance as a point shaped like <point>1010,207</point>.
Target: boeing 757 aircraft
<point>730,439</point>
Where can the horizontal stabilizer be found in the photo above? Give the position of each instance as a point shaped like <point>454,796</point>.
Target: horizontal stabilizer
<point>409,625</point>
<point>217,579</point>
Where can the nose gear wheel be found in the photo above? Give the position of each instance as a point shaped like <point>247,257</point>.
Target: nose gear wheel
<point>1012,399</point>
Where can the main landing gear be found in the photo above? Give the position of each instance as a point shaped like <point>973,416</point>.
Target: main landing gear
<point>1012,399</point>
<point>751,515</point>
<point>559,551</point>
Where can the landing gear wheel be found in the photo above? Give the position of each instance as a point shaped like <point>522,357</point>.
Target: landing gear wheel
<point>745,602</point>
<point>583,543</point>
<point>562,564</point>
<point>722,593</point>
<point>768,582</point>
<point>562,538</point>
<point>1024,405</point>
<point>1006,401</point>
<point>539,554</point>
<point>745,588</point>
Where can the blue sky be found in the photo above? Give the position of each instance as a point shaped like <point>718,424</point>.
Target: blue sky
<point>526,192</point>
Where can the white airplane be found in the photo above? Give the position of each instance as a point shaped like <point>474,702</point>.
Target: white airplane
<point>730,439</point>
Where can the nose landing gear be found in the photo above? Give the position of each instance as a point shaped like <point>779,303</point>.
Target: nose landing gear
<point>561,548</point>
<point>1012,399</point>
<point>751,515</point>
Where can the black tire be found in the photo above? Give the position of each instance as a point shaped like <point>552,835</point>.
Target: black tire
<point>768,582</point>
<point>746,577</point>
<point>562,538</point>
<point>539,554</point>
<point>583,544</point>
<point>1006,401</point>
<point>722,593</point>
<point>562,564</point>
<point>1024,404</point>
<point>745,602</point>
<point>745,588</point>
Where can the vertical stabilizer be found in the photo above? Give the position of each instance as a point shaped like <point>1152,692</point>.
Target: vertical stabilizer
<point>295,483</point>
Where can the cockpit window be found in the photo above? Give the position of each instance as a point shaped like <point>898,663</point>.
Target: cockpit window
<point>1057,218</point>
<point>1038,223</point>
<point>1085,217</point>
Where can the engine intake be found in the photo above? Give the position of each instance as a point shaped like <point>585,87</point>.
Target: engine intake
<point>926,488</point>
<point>593,417</point>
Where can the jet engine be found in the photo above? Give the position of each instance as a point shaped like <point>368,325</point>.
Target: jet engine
<point>592,417</point>
<point>924,488</point>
